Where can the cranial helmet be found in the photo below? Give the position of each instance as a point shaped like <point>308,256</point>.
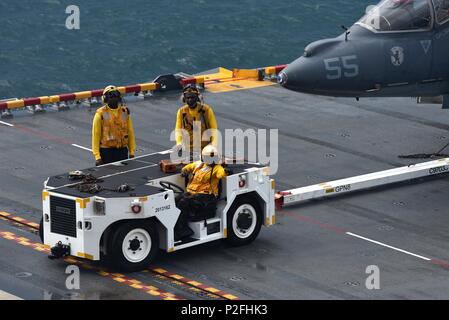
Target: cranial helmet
<point>191,88</point>
<point>110,91</point>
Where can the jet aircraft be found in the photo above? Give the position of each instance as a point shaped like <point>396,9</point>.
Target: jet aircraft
<point>400,48</point>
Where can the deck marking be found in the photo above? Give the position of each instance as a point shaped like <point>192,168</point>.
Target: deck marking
<point>7,124</point>
<point>193,283</point>
<point>440,263</point>
<point>43,134</point>
<point>7,296</point>
<point>303,218</point>
<point>81,147</point>
<point>119,173</point>
<point>130,282</point>
<point>9,217</point>
<point>133,283</point>
<point>46,136</point>
<point>387,246</point>
<point>146,162</point>
<point>338,230</point>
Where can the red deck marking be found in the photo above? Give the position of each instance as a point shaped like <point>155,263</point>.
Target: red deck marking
<point>312,221</point>
<point>43,135</point>
<point>440,263</point>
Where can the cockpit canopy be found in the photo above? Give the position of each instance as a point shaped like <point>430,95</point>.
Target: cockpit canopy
<point>405,15</point>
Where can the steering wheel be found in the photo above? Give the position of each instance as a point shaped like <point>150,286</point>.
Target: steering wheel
<point>172,186</point>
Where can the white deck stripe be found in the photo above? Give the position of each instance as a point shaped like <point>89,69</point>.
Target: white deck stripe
<point>387,246</point>
<point>7,296</point>
<point>119,173</point>
<point>7,124</point>
<point>81,147</point>
<point>87,149</point>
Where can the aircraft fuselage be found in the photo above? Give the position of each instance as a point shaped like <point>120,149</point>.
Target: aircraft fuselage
<point>374,64</point>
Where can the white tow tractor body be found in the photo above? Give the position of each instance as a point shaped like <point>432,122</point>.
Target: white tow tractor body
<point>91,219</point>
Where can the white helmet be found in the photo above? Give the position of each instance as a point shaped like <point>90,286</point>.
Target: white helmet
<point>210,155</point>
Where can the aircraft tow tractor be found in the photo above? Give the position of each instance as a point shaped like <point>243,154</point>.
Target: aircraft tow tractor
<point>125,212</point>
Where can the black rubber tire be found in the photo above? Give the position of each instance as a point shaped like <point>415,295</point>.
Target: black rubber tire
<point>232,239</point>
<point>41,230</point>
<point>115,257</point>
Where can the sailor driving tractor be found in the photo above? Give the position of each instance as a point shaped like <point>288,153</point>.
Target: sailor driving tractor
<point>112,131</point>
<point>200,200</point>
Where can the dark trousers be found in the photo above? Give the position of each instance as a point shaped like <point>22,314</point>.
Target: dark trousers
<point>195,207</point>
<point>109,155</point>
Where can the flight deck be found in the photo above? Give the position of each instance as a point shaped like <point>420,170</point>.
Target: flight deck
<point>317,250</point>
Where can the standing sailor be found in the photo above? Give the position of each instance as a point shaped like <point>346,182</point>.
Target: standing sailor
<point>112,131</point>
<point>192,120</point>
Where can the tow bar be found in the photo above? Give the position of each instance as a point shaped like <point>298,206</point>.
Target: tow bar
<point>363,182</point>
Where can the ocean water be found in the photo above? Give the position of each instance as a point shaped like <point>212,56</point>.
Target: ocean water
<point>126,42</point>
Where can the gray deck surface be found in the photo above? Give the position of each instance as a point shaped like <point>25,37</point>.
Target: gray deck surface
<point>307,255</point>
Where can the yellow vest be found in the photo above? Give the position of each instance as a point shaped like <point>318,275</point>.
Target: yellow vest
<point>114,129</point>
<point>204,180</point>
<point>187,122</point>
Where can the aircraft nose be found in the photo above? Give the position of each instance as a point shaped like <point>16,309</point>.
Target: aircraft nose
<point>296,75</point>
<point>282,78</point>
